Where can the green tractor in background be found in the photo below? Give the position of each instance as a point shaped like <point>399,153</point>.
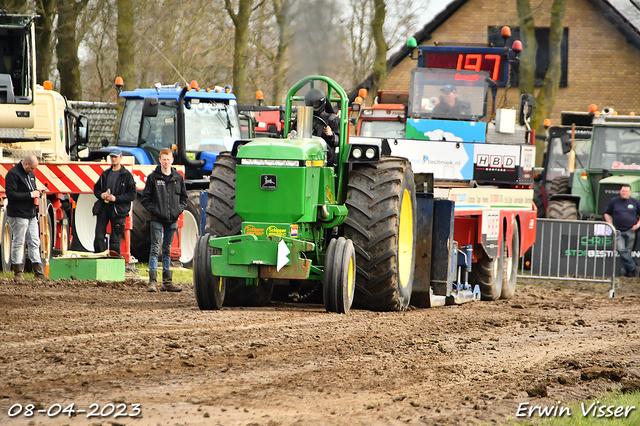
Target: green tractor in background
<point>278,212</point>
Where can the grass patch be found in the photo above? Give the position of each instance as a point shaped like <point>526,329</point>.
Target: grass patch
<point>180,274</point>
<point>604,414</point>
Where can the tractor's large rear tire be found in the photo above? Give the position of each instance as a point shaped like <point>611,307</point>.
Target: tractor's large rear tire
<point>222,219</point>
<point>381,199</point>
<point>559,185</point>
<point>209,289</point>
<point>141,231</point>
<point>510,273</point>
<point>562,209</point>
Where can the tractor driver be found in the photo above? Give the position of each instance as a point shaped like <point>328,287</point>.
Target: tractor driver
<point>331,132</point>
<point>449,106</point>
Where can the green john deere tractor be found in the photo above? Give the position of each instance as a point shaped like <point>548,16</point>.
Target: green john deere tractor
<point>277,212</point>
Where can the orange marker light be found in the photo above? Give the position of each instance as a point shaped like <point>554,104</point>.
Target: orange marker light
<point>517,46</point>
<point>48,85</point>
<point>362,93</point>
<point>546,123</point>
<point>194,84</point>
<point>119,82</point>
<point>259,95</point>
<point>505,32</point>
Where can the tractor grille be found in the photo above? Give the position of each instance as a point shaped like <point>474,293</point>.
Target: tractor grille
<point>606,193</point>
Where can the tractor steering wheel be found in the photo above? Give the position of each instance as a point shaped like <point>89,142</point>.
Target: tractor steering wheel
<point>322,121</point>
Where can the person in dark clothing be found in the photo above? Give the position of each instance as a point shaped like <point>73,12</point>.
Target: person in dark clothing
<point>23,196</point>
<point>623,212</point>
<point>115,189</point>
<point>326,125</point>
<point>165,197</point>
<point>449,106</point>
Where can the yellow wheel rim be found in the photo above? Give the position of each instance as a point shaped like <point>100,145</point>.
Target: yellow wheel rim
<point>405,239</point>
<point>350,277</point>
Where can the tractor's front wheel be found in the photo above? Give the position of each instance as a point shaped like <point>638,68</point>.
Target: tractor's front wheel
<point>208,288</point>
<point>488,275</point>
<point>381,198</point>
<point>339,276</point>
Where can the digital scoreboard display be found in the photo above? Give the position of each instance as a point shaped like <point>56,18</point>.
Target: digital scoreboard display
<point>490,59</point>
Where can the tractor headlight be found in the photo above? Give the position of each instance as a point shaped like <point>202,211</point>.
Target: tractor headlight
<point>357,153</point>
<point>370,153</point>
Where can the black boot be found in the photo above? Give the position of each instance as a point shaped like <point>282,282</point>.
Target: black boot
<point>17,268</point>
<point>38,271</point>
<point>153,281</point>
<point>167,284</point>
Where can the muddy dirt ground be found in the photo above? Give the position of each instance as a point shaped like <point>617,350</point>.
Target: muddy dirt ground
<point>129,357</point>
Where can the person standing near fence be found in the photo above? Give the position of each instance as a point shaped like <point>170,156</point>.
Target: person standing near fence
<point>623,212</point>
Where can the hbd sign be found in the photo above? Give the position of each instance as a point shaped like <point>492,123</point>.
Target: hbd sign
<point>496,161</point>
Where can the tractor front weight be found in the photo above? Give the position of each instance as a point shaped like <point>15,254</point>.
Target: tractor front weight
<point>246,256</point>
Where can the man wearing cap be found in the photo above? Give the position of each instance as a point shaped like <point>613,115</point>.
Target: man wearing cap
<point>115,190</point>
<point>449,106</point>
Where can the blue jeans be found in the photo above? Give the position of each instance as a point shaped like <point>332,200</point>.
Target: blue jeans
<point>157,231</point>
<point>624,244</point>
<point>21,228</point>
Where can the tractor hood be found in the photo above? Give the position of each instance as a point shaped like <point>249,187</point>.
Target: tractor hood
<point>284,149</point>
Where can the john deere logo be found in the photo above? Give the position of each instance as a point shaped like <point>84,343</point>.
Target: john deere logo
<point>268,182</point>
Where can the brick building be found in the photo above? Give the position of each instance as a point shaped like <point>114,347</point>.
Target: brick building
<point>602,48</point>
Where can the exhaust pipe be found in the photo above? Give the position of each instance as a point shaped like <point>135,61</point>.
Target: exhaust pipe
<point>305,122</point>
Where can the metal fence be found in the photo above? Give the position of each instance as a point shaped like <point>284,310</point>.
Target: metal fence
<point>572,250</point>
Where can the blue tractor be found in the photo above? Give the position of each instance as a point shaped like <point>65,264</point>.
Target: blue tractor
<point>197,124</point>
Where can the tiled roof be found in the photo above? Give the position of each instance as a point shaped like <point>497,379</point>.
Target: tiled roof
<point>102,120</point>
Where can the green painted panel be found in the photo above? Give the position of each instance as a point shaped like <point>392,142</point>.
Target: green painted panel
<point>87,269</point>
<point>283,149</point>
<point>291,196</point>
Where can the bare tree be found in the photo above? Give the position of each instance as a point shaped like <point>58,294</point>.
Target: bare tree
<point>240,19</point>
<point>388,25</point>
<point>97,29</point>
<point>125,41</point>
<point>282,13</point>
<point>547,95</point>
<point>67,49</point>
<point>380,61</point>
<point>46,10</point>
<point>319,42</point>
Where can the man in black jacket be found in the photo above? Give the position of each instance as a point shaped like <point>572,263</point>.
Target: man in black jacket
<point>23,197</point>
<point>115,189</point>
<point>165,197</point>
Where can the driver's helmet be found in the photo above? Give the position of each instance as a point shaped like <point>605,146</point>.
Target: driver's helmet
<point>315,98</point>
